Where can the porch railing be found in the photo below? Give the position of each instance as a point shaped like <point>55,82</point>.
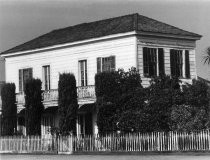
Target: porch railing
<point>85,92</point>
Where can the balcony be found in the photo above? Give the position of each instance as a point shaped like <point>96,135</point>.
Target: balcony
<point>85,94</point>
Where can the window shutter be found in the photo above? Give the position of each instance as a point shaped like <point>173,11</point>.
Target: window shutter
<point>172,62</point>
<point>20,80</point>
<point>187,64</point>
<point>98,64</point>
<point>112,58</point>
<point>145,62</point>
<point>161,61</point>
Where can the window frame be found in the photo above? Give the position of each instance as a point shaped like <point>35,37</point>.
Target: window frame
<point>106,62</point>
<point>85,72</point>
<point>21,77</point>
<point>178,61</point>
<point>153,61</point>
<point>48,69</point>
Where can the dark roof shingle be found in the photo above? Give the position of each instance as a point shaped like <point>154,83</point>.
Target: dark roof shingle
<point>100,28</point>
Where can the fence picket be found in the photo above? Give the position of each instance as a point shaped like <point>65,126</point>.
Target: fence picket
<point>155,141</point>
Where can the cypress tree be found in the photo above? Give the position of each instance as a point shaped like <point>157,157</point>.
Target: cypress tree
<point>34,106</point>
<point>67,103</point>
<point>9,109</point>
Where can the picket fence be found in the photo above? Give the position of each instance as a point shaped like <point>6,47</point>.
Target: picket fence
<point>136,142</point>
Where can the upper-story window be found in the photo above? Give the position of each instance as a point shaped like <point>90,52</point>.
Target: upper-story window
<point>46,77</point>
<point>83,73</point>
<point>24,75</point>
<point>105,64</point>
<point>180,63</point>
<point>153,60</point>
<point>176,62</point>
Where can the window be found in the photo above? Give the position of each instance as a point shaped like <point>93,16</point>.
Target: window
<point>153,60</point>
<point>106,64</point>
<point>83,72</point>
<point>24,75</point>
<point>46,77</point>
<point>176,62</point>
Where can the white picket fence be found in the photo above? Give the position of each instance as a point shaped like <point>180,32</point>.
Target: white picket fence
<point>136,142</point>
<point>29,144</point>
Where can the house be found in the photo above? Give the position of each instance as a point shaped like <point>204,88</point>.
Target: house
<point>85,49</point>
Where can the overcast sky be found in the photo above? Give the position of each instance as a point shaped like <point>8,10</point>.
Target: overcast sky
<point>23,20</point>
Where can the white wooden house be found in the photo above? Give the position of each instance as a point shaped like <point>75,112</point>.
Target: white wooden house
<point>85,49</point>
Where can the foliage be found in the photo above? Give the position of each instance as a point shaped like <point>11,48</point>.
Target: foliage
<point>193,113</point>
<point>131,116</point>
<point>160,100</point>
<point>34,106</point>
<point>9,109</point>
<point>207,56</point>
<point>112,90</point>
<point>106,118</point>
<point>107,86</point>
<point>67,103</point>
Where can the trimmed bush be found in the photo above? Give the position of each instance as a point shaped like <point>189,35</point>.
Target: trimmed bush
<point>113,89</point>
<point>67,103</point>
<point>9,109</point>
<point>34,106</point>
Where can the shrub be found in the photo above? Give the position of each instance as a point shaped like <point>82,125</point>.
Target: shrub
<point>160,101</point>
<point>9,109</point>
<point>113,89</point>
<point>34,106</point>
<point>193,113</point>
<point>67,103</point>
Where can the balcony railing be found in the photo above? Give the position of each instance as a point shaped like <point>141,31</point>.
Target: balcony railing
<point>85,92</point>
<point>50,95</point>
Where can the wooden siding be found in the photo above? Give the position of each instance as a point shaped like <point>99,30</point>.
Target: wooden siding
<point>66,59</point>
<point>166,44</point>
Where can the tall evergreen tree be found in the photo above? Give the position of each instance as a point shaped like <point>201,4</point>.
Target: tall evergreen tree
<point>9,109</point>
<point>34,106</point>
<point>67,103</point>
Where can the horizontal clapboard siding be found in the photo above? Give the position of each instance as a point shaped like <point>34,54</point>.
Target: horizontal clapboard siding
<point>143,42</point>
<point>66,59</point>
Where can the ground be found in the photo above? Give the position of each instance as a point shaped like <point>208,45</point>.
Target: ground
<point>104,157</point>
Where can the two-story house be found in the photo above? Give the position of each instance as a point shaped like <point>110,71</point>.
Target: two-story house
<point>85,49</point>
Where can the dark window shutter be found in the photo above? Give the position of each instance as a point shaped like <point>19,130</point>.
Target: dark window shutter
<point>161,61</point>
<point>112,58</point>
<point>172,59</point>
<point>187,64</point>
<point>20,80</point>
<point>98,64</point>
<point>145,62</point>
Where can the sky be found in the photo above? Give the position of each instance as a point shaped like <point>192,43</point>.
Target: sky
<point>23,20</point>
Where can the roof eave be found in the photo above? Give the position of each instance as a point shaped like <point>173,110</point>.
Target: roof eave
<point>6,54</point>
<point>197,37</point>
